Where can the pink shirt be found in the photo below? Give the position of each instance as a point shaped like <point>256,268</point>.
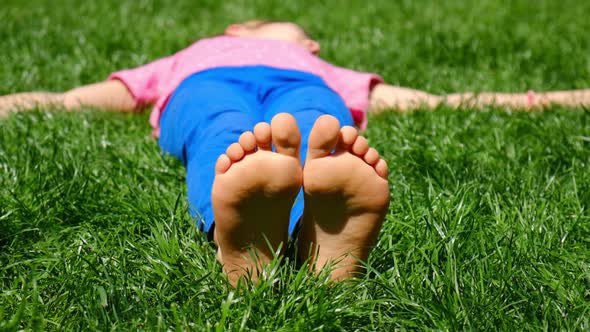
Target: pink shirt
<point>156,81</point>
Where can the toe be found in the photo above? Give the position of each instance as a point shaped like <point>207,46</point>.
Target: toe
<point>323,137</point>
<point>371,157</point>
<point>360,147</point>
<point>235,152</point>
<point>247,141</point>
<point>381,168</point>
<point>285,135</point>
<point>223,164</point>
<point>262,133</point>
<point>348,135</point>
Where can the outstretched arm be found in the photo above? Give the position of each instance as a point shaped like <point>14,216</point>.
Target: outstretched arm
<point>385,96</point>
<point>108,96</point>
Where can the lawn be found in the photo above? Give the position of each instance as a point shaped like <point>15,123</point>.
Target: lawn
<point>489,225</point>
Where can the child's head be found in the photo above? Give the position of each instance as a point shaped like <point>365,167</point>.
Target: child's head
<point>286,31</point>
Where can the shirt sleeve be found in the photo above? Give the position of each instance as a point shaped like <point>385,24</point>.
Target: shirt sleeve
<point>145,82</point>
<point>355,88</point>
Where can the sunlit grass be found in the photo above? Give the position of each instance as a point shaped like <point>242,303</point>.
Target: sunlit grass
<point>488,226</point>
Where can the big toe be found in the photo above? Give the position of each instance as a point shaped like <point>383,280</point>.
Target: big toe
<point>285,135</point>
<point>323,137</point>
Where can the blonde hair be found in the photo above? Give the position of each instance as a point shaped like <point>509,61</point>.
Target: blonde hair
<point>253,24</point>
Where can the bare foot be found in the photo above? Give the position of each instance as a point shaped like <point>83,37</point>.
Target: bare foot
<point>252,195</point>
<point>346,198</point>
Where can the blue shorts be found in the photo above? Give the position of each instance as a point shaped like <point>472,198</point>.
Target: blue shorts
<point>211,109</point>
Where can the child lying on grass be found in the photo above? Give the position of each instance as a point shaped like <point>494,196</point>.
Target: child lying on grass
<point>267,132</point>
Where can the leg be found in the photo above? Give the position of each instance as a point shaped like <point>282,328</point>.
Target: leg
<point>201,120</point>
<point>305,100</point>
<point>346,198</point>
<point>246,190</point>
<point>253,193</point>
<point>345,182</point>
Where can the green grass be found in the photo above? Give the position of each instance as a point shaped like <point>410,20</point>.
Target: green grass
<point>488,228</point>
